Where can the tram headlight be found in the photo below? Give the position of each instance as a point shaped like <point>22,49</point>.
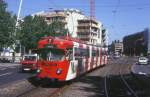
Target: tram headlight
<point>38,70</point>
<point>59,71</point>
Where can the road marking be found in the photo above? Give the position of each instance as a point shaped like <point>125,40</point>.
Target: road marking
<point>3,68</point>
<point>9,64</point>
<point>12,67</point>
<point>6,74</point>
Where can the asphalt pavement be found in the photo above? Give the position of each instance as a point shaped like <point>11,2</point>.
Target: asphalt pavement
<point>141,69</point>
<point>10,72</point>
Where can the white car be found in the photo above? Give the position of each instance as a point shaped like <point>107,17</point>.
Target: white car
<point>143,60</point>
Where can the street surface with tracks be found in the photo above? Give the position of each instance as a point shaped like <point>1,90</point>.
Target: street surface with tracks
<point>113,80</point>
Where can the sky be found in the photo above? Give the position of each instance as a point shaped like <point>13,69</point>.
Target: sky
<point>119,17</point>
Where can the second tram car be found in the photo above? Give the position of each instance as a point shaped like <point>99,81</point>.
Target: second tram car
<point>64,59</point>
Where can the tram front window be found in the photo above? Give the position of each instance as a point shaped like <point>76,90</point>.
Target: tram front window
<point>52,54</point>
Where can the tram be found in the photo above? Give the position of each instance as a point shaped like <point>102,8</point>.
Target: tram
<point>64,59</point>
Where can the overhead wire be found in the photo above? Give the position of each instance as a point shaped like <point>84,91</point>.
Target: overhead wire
<point>114,13</point>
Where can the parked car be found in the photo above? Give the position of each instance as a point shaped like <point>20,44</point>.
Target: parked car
<point>142,60</point>
<point>29,62</point>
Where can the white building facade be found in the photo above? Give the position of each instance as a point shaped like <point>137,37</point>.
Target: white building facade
<point>72,19</point>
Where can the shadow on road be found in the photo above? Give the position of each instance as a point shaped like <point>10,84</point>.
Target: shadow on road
<point>46,83</point>
<point>96,87</point>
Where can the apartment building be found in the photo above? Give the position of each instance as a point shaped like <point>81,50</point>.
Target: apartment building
<point>138,43</point>
<point>78,25</point>
<point>117,47</point>
<point>69,17</point>
<point>89,31</point>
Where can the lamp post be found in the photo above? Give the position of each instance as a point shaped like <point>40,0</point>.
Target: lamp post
<point>18,15</point>
<point>16,26</point>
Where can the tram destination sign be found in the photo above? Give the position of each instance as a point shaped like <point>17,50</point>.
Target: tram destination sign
<point>49,46</point>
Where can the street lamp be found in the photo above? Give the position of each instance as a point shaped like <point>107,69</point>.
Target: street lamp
<point>16,26</point>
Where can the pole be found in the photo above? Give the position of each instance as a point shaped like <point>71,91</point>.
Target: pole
<point>16,25</point>
<point>18,15</point>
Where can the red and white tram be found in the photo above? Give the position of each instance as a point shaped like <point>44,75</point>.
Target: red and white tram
<point>65,59</point>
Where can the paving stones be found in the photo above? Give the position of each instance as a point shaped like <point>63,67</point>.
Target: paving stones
<point>12,89</point>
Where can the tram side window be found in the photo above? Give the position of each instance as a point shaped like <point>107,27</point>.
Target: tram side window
<point>103,53</point>
<point>81,52</point>
<point>85,52</point>
<point>88,54</point>
<point>77,52</point>
<point>93,52</point>
<point>98,53</point>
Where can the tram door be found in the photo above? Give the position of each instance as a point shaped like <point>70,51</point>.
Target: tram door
<point>79,57</point>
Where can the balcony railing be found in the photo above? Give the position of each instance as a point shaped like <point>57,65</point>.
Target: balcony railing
<point>88,25</point>
<point>84,36</point>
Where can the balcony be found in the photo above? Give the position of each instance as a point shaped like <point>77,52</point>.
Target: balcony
<point>84,24</point>
<point>83,33</point>
<point>83,30</point>
<point>83,36</point>
<point>85,39</point>
<point>95,26</point>
<point>88,25</point>
<point>88,21</point>
<point>49,21</point>
<point>55,15</point>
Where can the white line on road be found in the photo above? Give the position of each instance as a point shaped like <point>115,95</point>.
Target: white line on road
<point>6,74</point>
<point>8,64</point>
<point>12,67</point>
<point>3,68</point>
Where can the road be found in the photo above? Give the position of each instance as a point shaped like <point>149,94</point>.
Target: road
<point>9,72</point>
<point>112,80</point>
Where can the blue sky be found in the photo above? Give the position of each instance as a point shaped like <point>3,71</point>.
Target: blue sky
<point>120,17</point>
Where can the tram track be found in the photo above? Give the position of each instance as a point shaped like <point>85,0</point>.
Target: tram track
<point>138,85</point>
<point>132,92</point>
<point>115,87</point>
<point>124,85</point>
<point>128,86</point>
<point>49,91</point>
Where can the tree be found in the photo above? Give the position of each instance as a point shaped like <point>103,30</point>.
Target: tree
<point>7,25</point>
<point>32,29</point>
<point>57,28</point>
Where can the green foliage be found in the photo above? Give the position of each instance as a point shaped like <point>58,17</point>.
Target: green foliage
<point>29,31</point>
<point>7,24</point>
<point>33,28</point>
<point>57,29</point>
